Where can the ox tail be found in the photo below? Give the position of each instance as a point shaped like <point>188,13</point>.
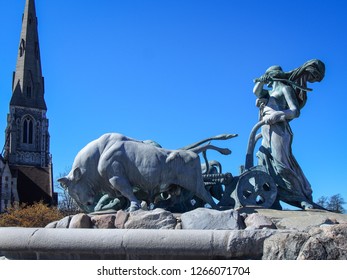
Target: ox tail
<point>208,146</point>
<point>218,137</point>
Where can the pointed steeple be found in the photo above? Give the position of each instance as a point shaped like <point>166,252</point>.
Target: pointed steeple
<point>28,83</point>
<point>27,139</point>
<point>27,136</point>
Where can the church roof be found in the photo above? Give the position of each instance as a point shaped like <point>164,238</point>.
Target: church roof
<point>40,177</point>
<point>28,83</point>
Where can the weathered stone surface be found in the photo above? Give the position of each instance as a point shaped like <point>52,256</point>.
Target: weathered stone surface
<point>156,219</point>
<point>284,246</point>
<point>64,222</point>
<point>80,221</point>
<point>299,220</point>
<point>248,244</point>
<point>304,223</point>
<point>203,218</point>
<point>103,221</point>
<point>140,240</point>
<point>130,244</point>
<point>52,225</point>
<point>258,221</point>
<point>121,218</point>
<point>322,243</point>
<point>326,243</point>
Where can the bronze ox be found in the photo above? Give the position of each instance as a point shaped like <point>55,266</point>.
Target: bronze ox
<point>115,164</point>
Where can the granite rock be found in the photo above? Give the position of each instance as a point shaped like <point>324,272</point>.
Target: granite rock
<point>258,221</point>
<point>64,222</point>
<point>284,246</point>
<point>80,221</point>
<point>103,221</point>
<point>203,218</point>
<point>155,219</point>
<point>326,243</point>
<point>322,243</point>
<point>52,224</point>
<point>121,219</point>
<point>198,234</point>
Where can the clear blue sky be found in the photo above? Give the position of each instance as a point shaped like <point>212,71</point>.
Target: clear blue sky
<point>179,71</point>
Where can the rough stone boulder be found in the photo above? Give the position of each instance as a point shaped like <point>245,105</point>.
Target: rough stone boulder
<point>203,218</point>
<point>327,242</point>
<point>323,243</point>
<point>258,221</point>
<point>297,220</point>
<point>80,221</point>
<point>245,233</point>
<point>103,221</point>
<point>284,246</point>
<point>156,219</point>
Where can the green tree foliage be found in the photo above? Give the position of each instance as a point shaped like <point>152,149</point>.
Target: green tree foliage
<point>333,203</point>
<point>36,215</point>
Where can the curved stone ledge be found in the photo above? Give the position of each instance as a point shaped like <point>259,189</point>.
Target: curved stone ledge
<point>45,243</point>
<point>246,234</point>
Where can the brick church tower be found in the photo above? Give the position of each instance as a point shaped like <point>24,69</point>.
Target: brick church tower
<point>27,139</point>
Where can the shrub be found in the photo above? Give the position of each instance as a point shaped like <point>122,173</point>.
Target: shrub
<point>36,215</point>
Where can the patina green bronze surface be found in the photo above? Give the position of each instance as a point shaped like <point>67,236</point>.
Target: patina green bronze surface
<point>281,103</point>
<point>118,172</point>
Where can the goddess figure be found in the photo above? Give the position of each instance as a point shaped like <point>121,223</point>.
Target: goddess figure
<point>281,103</point>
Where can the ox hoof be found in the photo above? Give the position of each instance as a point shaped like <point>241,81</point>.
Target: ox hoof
<point>133,207</point>
<point>306,205</point>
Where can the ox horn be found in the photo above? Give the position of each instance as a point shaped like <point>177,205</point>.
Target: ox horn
<point>63,182</point>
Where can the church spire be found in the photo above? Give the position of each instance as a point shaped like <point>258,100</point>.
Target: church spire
<point>28,83</point>
<point>27,136</point>
<point>27,140</point>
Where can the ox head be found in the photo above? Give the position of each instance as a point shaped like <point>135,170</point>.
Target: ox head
<point>80,189</point>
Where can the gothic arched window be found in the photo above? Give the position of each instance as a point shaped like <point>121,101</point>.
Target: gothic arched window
<point>28,130</point>
<point>22,47</point>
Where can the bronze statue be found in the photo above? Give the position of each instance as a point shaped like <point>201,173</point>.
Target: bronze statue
<point>281,103</point>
